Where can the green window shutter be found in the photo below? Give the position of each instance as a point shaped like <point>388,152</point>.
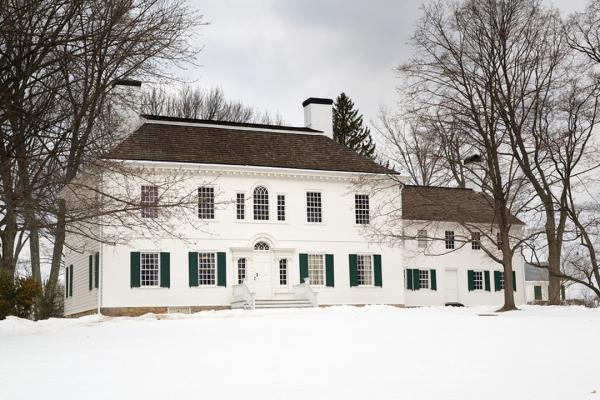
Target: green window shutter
<point>221,269</point>
<point>562,292</point>
<point>432,276</point>
<point>193,268</point>
<point>97,270</point>
<point>165,270</point>
<point>409,279</point>
<point>329,270</point>
<point>416,281</point>
<point>497,275</point>
<point>486,276</point>
<point>67,282</point>
<point>352,262</point>
<point>514,275</point>
<point>135,268</point>
<point>470,280</point>
<point>90,272</point>
<point>537,292</point>
<point>303,263</point>
<point>377,270</point>
<point>71,281</point>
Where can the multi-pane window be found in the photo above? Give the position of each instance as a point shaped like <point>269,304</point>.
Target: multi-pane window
<point>498,241</point>
<point>149,269</point>
<point>241,270</point>
<point>316,269</point>
<point>240,206</point>
<point>206,202</point>
<point>207,271</point>
<point>422,238</point>
<point>424,279</point>
<point>280,207</point>
<point>476,241</point>
<point>313,207</point>
<point>449,236</point>
<point>364,269</point>
<point>149,201</point>
<point>501,280</point>
<point>361,207</point>
<point>478,280</point>
<point>283,272</point>
<point>261,203</point>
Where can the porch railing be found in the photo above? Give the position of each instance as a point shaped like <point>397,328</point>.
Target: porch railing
<point>243,297</point>
<point>305,291</point>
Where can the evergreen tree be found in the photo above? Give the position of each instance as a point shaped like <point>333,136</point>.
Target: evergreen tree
<point>348,127</point>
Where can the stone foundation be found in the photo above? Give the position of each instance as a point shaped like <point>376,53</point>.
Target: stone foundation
<point>82,313</point>
<point>137,311</point>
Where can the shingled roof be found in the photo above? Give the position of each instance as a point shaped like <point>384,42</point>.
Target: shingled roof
<point>429,203</point>
<point>213,142</point>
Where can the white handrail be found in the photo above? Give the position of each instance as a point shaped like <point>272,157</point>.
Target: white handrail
<point>242,294</point>
<point>305,291</point>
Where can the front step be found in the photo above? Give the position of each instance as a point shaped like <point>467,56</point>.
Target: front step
<point>281,304</point>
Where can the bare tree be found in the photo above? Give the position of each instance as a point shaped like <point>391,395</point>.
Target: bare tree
<point>194,102</point>
<point>58,60</point>
<point>454,71</point>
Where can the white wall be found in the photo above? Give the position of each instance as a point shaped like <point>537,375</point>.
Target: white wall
<point>530,291</point>
<point>77,254</point>
<point>337,234</point>
<point>463,258</point>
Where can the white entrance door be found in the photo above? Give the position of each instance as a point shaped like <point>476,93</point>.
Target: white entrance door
<point>261,274</point>
<point>451,284</point>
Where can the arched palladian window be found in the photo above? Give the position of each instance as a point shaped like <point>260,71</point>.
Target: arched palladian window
<point>261,246</point>
<point>261,203</point>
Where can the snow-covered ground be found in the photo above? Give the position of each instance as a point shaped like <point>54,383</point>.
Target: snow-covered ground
<point>373,352</point>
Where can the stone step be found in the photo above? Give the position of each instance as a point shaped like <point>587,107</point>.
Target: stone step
<point>269,303</point>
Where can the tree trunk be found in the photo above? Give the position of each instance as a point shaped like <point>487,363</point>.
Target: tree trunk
<point>59,242</point>
<point>507,259</point>
<point>9,234</point>
<point>553,274</point>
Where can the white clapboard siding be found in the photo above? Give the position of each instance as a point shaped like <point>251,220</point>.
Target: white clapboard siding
<point>83,298</point>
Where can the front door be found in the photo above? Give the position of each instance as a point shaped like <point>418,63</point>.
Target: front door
<point>451,284</point>
<point>261,274</point>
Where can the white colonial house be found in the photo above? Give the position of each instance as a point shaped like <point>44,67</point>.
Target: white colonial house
<point>278,220</point>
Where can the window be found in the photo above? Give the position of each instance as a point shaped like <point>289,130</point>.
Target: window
<point>424,278</point>
<point>501,280</point>
<point>207,272</point>
<point>261,246</point>
<point>283,272</point>
<point>498,241</point>
<point>149,269</point>
<point>316,270</point>
<point>206,202</point>
<point>149,201</point>
<point>422,238</point>
<point>476,241</point>
<point>478,280</point>
<point>313,207</point>
<point>280,207</point>
<point>449,235</point>
<point>241,270</point>
<point>537,292</point>
<point>364,269</point>
<point>261,203</point>
<point>240,206</point>
<point>361,207</point>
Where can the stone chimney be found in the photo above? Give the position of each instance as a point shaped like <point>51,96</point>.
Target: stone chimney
<point>127,103</point>
<point>318,115</point>
<point>474,175</point>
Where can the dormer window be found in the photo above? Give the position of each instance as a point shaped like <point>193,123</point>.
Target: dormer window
<point>261,203</point>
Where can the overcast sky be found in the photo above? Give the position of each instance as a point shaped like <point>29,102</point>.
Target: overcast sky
<point>273,54</point>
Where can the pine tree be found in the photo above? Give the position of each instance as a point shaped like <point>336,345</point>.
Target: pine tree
<point>348,127</point>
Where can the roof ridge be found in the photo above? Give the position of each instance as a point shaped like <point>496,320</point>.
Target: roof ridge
<point>439,187</point>
<point>152,117</point>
